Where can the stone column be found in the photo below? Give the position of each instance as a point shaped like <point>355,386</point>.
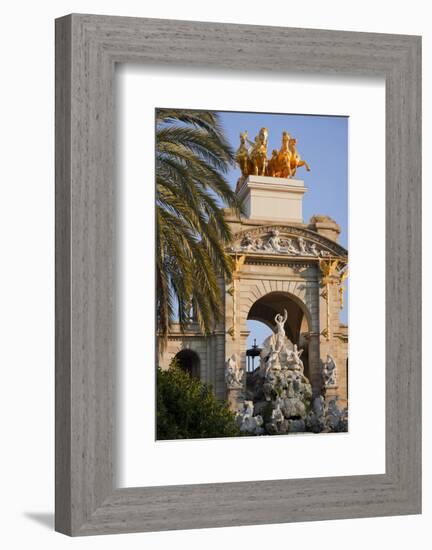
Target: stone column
<point>329,339</point>
<point>235,337</point>
<point>314,363</point>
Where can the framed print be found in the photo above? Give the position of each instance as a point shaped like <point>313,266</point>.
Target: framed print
<point>237,275</point>
<point>325,191</point>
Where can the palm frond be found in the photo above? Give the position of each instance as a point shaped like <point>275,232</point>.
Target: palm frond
<point>192,158</point>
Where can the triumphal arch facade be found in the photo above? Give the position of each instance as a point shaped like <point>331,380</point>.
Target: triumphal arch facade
<point>281,264</point>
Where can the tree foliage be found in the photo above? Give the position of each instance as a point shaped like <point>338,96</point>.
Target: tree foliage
<point>192,158</point>
<point>187,408</point>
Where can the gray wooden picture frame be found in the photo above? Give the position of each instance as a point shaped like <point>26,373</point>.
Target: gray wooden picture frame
<point>87,49</point>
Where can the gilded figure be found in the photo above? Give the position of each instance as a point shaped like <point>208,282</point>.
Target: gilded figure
<point>251,156</point>
<point>242,154</point>
<point>284,157</point>
<point>258,154</point>
<point>295,159</point>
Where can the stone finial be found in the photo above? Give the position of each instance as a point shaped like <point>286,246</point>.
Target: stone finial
<point>326,226</point>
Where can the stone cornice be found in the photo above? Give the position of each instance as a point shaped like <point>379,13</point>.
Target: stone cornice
<point>296,264</point>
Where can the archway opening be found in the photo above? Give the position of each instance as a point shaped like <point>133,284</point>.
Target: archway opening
<point>189,361</point>
<point>297,326</point>
<point>258,332</point>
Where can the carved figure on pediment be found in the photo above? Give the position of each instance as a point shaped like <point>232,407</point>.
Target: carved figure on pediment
<point>271,241</point>
<point>259,244</point>
<point>289,247</point>
<point>274,242</point>
<point>302,246</point>
<point>247,243</point>
<point>314,250</point>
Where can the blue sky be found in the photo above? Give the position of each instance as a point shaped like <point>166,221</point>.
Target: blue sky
<point>323,142</point>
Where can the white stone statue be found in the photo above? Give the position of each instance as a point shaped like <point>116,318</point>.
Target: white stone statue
<point>295,362</point>
<point>329,371</point>
<point>280,321</point>
<point>277,348</point>
<point>233,373</point>
<point>273,360</point>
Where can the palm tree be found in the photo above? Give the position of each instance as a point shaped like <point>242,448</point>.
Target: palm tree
<point>192,156</point>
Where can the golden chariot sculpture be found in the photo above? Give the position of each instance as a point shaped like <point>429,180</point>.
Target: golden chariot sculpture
<point>252,157</point>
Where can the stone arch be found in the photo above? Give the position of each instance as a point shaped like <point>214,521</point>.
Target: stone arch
<point>265,308</point>
<point>303,293</point>
<point>189,361</point>
<point>298,325</point>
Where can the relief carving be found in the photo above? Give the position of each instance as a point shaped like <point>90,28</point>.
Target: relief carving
<point>273,242</point>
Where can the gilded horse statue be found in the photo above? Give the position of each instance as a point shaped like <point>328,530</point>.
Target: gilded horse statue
<point>284,157</point>
<point>295,159</point>
<point>251,156</point>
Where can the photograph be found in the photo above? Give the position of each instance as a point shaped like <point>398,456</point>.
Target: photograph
<point>251,273</point>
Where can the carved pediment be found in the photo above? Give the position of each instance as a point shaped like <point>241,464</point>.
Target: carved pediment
<point>286,240</point>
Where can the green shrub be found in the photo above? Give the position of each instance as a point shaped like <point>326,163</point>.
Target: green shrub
<point>187,408</point>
